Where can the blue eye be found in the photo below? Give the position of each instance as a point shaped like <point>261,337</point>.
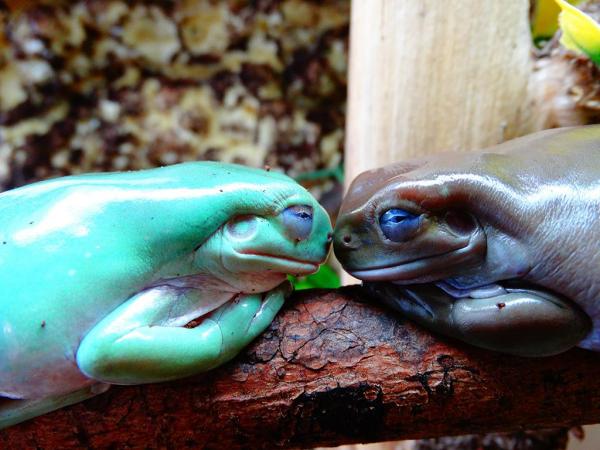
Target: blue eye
<point>398,225</point>
<point>298,221</point>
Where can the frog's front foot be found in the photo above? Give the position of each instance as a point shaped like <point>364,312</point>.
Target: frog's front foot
<point>518,321</point>
<point>135,343</point>
<point>245,318</point>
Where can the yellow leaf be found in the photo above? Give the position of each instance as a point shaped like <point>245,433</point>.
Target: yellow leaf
<point>545,19</point>
<point>580,32</point>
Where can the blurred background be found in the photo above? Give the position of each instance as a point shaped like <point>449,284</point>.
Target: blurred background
<point>108,85</point>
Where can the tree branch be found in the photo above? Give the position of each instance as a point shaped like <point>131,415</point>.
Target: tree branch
<point>332,370</point>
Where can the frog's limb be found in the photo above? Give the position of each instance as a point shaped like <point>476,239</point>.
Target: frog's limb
<point>520,322</point>
<point>240,322</point>
<point>16,411</point>
<point>140,342</point>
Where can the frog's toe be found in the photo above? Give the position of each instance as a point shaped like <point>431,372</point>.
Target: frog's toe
<point>272,303</point>
<point>243,319</point>
<point>521,322</point>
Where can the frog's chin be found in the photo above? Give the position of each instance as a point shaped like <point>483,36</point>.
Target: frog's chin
<point>281,264</point>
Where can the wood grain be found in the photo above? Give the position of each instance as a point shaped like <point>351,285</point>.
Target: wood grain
<point>429,76</point>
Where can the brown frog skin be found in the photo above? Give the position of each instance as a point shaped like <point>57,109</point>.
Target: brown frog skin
<point>498,248</point>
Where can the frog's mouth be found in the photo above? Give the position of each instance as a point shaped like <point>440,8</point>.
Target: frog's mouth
<point>421,270</point>
<point>283,264</point>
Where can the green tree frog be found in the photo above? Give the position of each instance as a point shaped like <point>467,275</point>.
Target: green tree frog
<point>99,273</point>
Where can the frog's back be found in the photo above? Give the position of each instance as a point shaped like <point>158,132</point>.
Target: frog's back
<point>73,249</point>
<point>525,163</point>
<point>52,290</point>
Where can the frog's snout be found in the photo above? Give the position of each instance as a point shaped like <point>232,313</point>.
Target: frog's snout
<point>328,241</point>
<point>347,245</point>
<point>345,241</point>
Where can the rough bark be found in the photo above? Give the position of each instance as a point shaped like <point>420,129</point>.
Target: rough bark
<point>332,369</point>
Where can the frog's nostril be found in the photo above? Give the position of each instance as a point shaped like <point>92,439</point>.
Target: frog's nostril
<point>328,241</point>
<point>347,241</point>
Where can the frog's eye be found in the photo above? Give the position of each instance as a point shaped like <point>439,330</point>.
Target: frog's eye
<point>298,221</point>
<point>398,225</point>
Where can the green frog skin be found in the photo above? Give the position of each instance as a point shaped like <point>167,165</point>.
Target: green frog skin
<point>99,273</point>
<point>498,248</point>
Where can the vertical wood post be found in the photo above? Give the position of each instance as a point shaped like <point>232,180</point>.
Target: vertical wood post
<point>429,75</point>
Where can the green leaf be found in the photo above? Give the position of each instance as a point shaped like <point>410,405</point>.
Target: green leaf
<point>325,278</point>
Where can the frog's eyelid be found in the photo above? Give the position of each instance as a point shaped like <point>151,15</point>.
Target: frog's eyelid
<point>379,206</point>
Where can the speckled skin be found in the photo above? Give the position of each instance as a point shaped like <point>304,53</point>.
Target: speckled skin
<point>99,273</point>
<point>526,210</point>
